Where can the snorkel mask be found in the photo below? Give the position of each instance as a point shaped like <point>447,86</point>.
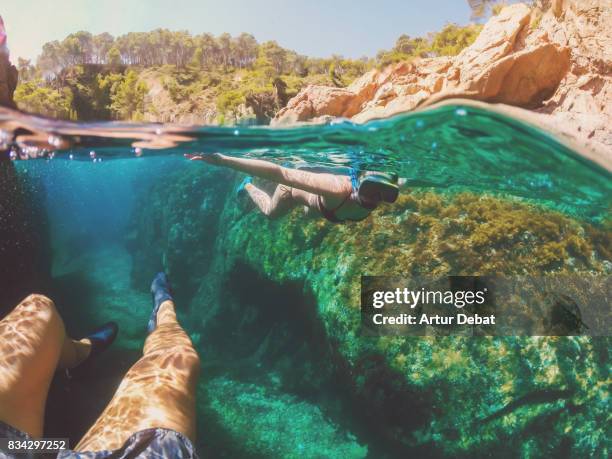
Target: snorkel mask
<point>376,187</point>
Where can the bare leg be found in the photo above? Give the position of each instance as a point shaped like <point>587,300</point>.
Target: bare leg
<point>305,198</point>
<point>329,186</point>
<point>33,342</point>
<point>275,206</point>
<point>158,391</point>
<point>308,200</point>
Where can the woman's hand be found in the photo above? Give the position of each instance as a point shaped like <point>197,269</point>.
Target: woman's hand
<point>213,158</point>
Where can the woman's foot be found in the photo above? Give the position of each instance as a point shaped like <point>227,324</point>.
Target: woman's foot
<point>161,292</point>
<point>242,187</point>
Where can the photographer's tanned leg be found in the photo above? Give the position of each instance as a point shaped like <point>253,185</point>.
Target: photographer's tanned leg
<point>33,343</point>
<point>157,392</point>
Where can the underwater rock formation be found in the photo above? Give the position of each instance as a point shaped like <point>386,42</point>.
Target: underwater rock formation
<point>253,414</point>
<point>557,62</point>
<point>430,395</point>
<point>280,302</point>
<point>177,232</point>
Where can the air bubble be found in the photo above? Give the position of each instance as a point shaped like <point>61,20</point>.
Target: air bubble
<point>5,139</point>
<point>54,141</point>
<point>461,112</point>
<point>138,151</point>
<point>92,155</point>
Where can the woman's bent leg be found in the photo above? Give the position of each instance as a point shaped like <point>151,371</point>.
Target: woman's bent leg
<point>279,204</point>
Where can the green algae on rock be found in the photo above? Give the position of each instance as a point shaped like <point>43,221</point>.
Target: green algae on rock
<point>268,423</point>
<point>439,396</point>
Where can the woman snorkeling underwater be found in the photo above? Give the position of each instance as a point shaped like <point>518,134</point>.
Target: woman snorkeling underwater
<point>338,198</point>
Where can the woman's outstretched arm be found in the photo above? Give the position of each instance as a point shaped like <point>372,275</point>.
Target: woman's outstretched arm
<point>318,183</point>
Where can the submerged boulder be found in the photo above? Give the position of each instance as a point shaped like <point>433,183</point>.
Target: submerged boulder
<point>282,297</point>
<point>264,422</point>
<point>440,395</point>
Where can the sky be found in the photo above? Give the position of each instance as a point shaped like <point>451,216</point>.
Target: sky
<point>317,28</point>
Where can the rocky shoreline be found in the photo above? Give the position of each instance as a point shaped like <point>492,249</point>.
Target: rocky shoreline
<point>554,62</point>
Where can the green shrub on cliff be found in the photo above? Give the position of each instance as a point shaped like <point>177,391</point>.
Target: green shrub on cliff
<point>90,91</point>
<point>34,96</point>
<point>229,103</point>
<point>453,38</point>
<point>127,95</point>
<point>447,42</point>
<point>87,92</point>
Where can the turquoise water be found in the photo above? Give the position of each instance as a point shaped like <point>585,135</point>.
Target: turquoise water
<point>283,372</point>
<point>452,147</point>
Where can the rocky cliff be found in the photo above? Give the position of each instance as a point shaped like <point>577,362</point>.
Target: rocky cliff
<point>554,60</point>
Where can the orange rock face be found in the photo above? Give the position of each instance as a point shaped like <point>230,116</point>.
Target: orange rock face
<point>556,62</point>
<point>582,103</point>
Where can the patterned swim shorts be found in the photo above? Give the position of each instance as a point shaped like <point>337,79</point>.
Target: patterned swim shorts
<point>154,443</point>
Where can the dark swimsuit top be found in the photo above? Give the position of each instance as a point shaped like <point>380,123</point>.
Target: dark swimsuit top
<point>330,214</point>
